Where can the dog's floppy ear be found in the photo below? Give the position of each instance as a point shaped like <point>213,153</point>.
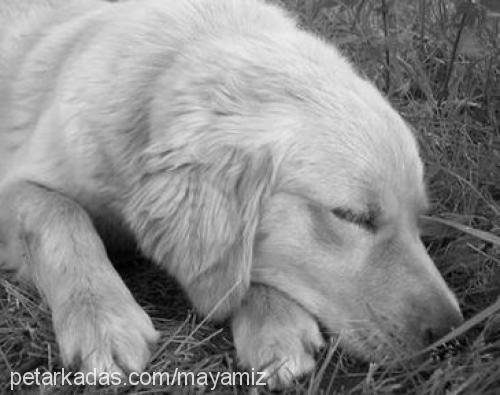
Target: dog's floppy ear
<point>198,218</point>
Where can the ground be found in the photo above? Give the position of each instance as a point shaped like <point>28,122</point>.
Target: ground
<point>438,63</point>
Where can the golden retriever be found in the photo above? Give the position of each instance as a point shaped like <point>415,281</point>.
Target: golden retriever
<point>244,156</point>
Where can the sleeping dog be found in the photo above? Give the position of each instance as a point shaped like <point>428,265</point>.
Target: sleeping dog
<point>244,156</point>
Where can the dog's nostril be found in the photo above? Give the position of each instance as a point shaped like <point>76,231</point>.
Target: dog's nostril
<point>428,337</point>
<point>433,334</point>
<point>444,325</point>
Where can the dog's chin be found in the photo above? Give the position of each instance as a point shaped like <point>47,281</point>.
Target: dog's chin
<point>370,344</point>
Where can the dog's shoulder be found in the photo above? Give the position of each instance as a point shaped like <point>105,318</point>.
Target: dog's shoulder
<point>15,11</point>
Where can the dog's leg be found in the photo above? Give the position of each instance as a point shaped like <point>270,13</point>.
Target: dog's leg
<point>272,333</point>
<point>51,239</point>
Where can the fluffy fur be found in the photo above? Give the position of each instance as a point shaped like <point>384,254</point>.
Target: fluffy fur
<point>243,155</point>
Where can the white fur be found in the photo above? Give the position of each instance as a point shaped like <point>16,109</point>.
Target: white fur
<point>221,137</point>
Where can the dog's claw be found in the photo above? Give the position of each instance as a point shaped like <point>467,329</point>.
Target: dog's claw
<point>280,343</point>
<point>288,366</point>
<point>103,338</point>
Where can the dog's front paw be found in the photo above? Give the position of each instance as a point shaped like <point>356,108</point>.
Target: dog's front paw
<point>284,360</point>
<point>280,343</point>
<point>110,335</point>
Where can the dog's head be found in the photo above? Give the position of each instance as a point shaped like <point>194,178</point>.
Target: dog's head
<point>301,178</point>
<point>341,237</point>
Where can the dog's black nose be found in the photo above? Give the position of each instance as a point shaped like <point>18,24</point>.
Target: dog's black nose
<point>434,328</point>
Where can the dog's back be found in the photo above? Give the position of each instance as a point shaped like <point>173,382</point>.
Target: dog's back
<point>45,43</point>
<point>34,37</point>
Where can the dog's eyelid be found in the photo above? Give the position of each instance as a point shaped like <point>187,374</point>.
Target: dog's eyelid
<point>366,219</point>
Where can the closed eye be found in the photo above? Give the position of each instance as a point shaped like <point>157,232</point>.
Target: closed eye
<point>366,220</point>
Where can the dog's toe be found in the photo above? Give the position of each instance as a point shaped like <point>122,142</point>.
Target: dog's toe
<point>281,348</point>
<point>288,365</point>
<point>106,337</point>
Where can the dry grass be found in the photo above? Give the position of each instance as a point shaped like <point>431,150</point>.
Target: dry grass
<point>438,62</point>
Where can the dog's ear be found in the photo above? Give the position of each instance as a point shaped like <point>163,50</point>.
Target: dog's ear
<point>198,218</point>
